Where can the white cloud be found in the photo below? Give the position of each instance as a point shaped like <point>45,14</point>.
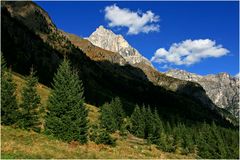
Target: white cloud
<point>189,52</point>
<point>237,75</point>
<point>136,22</point>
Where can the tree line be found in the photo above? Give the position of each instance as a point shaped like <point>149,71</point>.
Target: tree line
<point>66,118</point>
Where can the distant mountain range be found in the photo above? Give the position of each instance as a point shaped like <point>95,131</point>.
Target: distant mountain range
<point>222,88</point>
<point>107,65</point>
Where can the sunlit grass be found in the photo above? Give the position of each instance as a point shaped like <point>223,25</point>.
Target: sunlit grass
<point>20,144</point>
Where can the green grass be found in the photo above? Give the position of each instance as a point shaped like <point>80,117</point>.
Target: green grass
<point>42,90</point>
<point>18,143</point>
<point>21,144</point>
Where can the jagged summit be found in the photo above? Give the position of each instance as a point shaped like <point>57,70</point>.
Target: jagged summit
<point>108,40</point>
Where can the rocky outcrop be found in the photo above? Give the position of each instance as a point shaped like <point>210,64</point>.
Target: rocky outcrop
<point>108,40</point>
<point>221,88</point>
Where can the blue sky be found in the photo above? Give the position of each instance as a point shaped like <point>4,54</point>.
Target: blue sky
<point>206,25</point>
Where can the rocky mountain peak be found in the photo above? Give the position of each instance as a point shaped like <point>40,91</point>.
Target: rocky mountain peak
<point>101,30</point>
<point>108,40</point>
<point>224,75</point>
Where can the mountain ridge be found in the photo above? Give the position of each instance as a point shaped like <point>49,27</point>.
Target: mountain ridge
<point>221,88</point>
<point>99,36</point>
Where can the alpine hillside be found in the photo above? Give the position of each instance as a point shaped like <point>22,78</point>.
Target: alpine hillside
<point>32,39</point>
<point>65,96</point>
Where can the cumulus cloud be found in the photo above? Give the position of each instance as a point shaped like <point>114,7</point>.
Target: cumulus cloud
<point>136,22</point>
<point>237,75</point>
<point>189,52</point>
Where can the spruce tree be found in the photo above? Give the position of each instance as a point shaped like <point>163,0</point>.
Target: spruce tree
<point>112,115</point>
<point>162,141</point>
<point>158,128</point>
<point>188,144</point>
<point>144,114</point>
<point>117,110</point>
<point>66,117</point>
<point>178,139</point>
<point>149,124</point>
<point>168,128</point>
<point>101,136</point>
<point>204,140</point>
<point>9,107</point>
<point>30,106</point>
<point>107,119</point>
<point>125,127</point>
<point>137,122</point>
<point>220,148</point>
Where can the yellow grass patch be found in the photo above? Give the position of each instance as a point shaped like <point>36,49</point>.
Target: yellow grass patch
<point>18,143</point>
<point>42,90</point>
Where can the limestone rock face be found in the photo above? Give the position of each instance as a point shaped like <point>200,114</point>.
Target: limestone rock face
<point>221,88</point>
<point>108,40</point>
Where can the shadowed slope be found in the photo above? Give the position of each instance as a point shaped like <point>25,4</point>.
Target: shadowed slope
<point>44,48</point>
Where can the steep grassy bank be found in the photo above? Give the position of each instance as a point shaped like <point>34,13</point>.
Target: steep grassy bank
<point>22,144</point>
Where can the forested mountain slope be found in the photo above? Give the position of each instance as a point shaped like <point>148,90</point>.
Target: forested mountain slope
<point>30,39</point>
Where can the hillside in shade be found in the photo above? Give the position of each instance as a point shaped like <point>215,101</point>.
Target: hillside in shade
<point>37,42</point>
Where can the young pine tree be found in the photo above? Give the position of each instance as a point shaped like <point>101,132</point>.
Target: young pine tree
<point>203,141</point>
<point>107,119</point>
<point>66,117</point>
<point>162,141</point>
<point>30,106</point>
<point>118,113</point>
<point>9,107</point>
<point>149,124</point>
<point>137,122</point>
<point>112,115</point>
<point>178,137</point>
<point>220,146</point>
<point>158,128</point>
<point>188,142</point>
<point>101,136</point>
<point>125,127</point>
